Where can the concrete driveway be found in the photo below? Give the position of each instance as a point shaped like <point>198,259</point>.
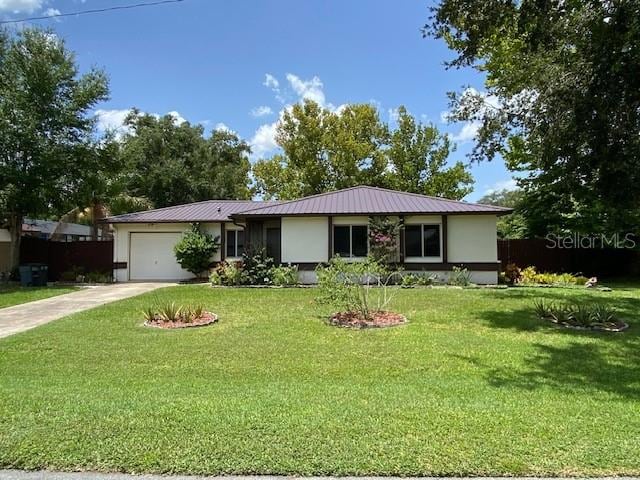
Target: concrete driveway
<point>29,315</point>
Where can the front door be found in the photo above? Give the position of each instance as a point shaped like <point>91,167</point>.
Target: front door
<point>273,245</point>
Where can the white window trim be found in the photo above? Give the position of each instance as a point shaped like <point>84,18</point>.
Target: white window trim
<point>351,255</point>
<point>423,258</point>
<point>235,246</point>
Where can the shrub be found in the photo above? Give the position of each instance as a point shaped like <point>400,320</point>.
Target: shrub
<point>284,276</point>
<point>411,280</point>
<point>578,314</point>
<point>512,274</point>
<point>384,233</point>
<point>98,277</point>
<point>228,273</point>
<point>349,286</point>
<point>73,274</point>
<point>460,277</point>
<point>195,249</point>
<point>172,312</point>
<point>530,276</point>
<point>257,267</point>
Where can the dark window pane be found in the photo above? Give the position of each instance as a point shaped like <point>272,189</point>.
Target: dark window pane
<point>359,240</point>
<point>240,242</point>
<point>341,241</point>
<point>431,240</point>
<point>412,241</point>
<point>231,243</point>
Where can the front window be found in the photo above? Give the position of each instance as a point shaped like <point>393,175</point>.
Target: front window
<point>235,243</point>
<point>350,240</point>
<point>422,240</point>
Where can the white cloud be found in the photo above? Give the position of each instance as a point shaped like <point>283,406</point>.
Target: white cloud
<point>509,184</point>
<point>467,133</point>
<point>307,89</point>
<point>177,118</point>
<point>271,82</point>
<point>222,127</point>
<point>113,120</point>
<point>20,6</point>
<point>51,12</point>
<point>264,140</point>
<point>261,111</point>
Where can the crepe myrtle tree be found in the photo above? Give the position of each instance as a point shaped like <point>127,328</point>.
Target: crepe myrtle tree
<point>47,140</point>
<point>195,249</point>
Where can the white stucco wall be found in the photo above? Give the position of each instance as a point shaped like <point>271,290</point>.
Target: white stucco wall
<point>305,239</point>
<point>122,233</point>
<point>472,238</point>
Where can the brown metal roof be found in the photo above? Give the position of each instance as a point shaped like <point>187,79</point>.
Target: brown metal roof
<point>207,211</point>
<point>350,201</point>
<point>371,201</point>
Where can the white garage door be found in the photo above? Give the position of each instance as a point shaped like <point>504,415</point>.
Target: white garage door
<point>152,257</point>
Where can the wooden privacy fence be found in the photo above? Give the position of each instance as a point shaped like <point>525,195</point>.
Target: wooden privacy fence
<point>587,261</point>
<point>63,256</point>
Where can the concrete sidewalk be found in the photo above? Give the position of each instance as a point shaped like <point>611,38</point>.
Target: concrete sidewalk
<point>29,315</point>
<point>20,475</point>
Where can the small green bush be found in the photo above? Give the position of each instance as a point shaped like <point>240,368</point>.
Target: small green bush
<point>228,273</point>
<point>172,312</point>
<point>578,314</point>
<point>530,276</point>
<point>411,280</point>
<point>195,249</point>
<point>460,277</point>
<point>284,276</point>
<point>358,287</point>
<point>257,266</point>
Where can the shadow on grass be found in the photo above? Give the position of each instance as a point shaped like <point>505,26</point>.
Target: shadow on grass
<point>574,361</point>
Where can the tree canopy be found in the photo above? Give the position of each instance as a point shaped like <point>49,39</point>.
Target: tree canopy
<point>562,102</point>
<point>324,150</point>
<point>172,163</point>
<point>47,141</point>
<point>513,225</point>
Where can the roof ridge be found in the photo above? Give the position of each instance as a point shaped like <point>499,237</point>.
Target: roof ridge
<point>440,199</point>
<point>315,195</point>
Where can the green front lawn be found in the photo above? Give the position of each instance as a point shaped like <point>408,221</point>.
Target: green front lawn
<point>15,295</point>
<point>474,384</point>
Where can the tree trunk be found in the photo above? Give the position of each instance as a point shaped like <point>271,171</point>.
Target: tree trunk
<point>95,214</point>
<point>15,230</point>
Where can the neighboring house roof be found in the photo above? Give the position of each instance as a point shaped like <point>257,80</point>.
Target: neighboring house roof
<point>371,201</point>
<point>349,201</point>
<point>49,226</point>
<point>207,211</point>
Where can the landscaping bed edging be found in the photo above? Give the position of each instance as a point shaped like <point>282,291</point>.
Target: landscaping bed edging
<point>207,318</point>
<point>382,319</point>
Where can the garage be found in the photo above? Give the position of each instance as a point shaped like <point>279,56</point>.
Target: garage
<point>152,258</point>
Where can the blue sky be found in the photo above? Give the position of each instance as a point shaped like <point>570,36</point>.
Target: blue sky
<point>237,64</point>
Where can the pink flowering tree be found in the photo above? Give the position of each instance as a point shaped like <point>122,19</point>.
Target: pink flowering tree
<point>384,238</point>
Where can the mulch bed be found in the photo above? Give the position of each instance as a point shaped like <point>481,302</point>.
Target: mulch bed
<point>380,319</point>
<point>207,318</point>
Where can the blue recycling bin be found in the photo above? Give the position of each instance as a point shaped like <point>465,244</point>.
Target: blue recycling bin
<point>34,275</point>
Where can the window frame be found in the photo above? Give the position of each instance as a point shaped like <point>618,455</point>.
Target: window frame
<point>235,232</point>
<point>422,240</point>
<point>350,226</point>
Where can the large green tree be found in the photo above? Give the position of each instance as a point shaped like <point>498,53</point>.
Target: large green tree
<point>513,225</point>
<point>418,157</point>
<point>47,141</point>
<point>324,150</point>
<point>562,102</point>
<point>172,163</point>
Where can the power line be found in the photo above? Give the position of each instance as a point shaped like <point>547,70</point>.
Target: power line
<point>95,10</point>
